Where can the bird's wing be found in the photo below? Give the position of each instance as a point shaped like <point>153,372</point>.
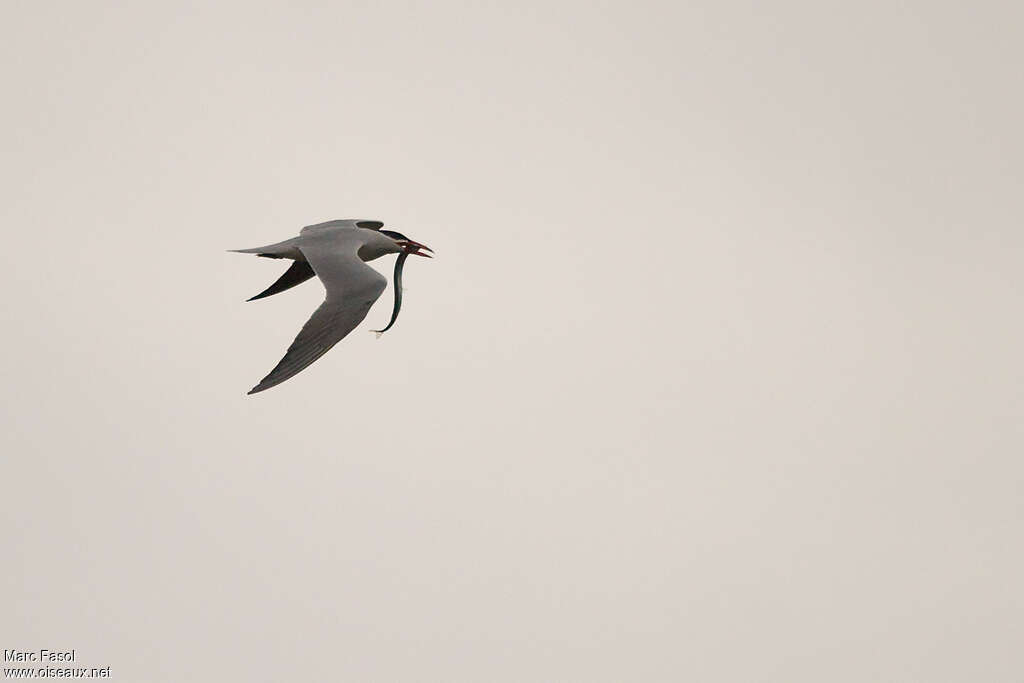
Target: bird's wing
<point>320,227</point>
<point>352,287</point>
<point>298,273</point>
<point>342,223</point>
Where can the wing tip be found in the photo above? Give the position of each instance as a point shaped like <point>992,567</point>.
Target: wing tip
<point>262,386</point>
<point>270,381</point>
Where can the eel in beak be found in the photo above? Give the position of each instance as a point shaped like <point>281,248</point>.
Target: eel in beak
<point>399,264</point>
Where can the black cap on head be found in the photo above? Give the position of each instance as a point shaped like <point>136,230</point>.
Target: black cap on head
<point>394,235</point>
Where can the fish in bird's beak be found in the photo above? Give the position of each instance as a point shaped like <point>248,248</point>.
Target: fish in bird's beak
<point>408,247</point>
<point>414,248</point>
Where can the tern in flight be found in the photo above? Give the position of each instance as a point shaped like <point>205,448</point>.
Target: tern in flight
<point>336,252</point>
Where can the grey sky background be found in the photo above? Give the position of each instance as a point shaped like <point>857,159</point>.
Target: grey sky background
<point>716,376</point>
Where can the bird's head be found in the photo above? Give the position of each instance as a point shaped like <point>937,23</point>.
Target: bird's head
<point>407,245</point>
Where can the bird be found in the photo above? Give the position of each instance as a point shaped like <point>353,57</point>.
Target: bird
<point>336,252</point>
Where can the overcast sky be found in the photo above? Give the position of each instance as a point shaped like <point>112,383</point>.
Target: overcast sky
<point>716,376</point>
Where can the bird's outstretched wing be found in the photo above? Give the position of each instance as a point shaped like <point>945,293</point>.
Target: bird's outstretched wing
<point>299,272</point>
<point>352,288</point>
<point>344,224</point>
<point>328,225</point>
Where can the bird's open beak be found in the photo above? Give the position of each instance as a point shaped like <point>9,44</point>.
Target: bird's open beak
<point>415,248</point>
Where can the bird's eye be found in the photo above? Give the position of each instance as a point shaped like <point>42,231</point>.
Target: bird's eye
<point>370,225</point>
